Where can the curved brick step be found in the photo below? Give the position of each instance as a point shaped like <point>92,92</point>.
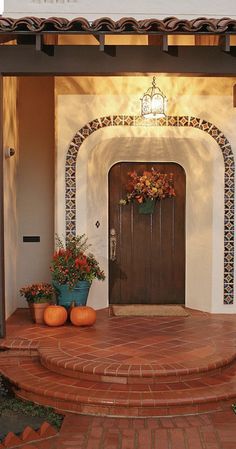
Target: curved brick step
<point>108,370</point>
<point>34,382</point>
<point>18,343</point>
<point>17,347</point>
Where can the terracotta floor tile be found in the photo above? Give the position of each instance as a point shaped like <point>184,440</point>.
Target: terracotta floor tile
<point>170,370</point>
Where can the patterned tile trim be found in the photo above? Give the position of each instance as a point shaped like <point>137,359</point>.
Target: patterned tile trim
<point>187,121</point>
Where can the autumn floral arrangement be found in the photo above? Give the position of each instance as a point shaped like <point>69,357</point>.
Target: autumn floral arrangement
<point>38,293</point>
<point>149,186</point>
<point>72,264</point>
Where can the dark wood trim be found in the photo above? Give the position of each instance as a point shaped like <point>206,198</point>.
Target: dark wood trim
<point>2,271</point>
<point>234,95</point>
<point>88,60</point>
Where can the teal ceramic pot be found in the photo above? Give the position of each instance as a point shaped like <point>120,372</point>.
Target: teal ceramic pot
<point>79,294</point>
<point>147,207</point>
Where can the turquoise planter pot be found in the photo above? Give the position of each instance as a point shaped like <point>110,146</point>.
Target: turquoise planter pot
<point>147,207</point>
<point>79,294</point>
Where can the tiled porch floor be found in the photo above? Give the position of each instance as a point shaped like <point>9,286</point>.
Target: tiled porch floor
<point>158,363</point>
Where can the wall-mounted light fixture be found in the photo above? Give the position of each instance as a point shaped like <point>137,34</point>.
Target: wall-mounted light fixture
<point>9,152</point>
<point>153,102</point>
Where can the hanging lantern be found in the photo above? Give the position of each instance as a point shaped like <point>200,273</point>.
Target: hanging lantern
<point>153,102</point>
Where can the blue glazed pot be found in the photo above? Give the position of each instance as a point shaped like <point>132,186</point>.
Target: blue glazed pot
<point>79,294</point>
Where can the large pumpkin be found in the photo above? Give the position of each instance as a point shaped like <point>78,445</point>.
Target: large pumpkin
<point>83,316</point>
<point>55,315</point>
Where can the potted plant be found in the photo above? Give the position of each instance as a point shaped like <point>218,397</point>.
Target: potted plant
<point>73,270</point>
<point>147,188</point>
<point>38,297</point>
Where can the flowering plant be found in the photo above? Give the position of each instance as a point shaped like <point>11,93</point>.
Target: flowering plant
<point>37,293</point>
<point>150,185</point>
<point>71,264</point>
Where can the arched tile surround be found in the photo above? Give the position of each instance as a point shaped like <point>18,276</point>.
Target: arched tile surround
<point>181,121</point>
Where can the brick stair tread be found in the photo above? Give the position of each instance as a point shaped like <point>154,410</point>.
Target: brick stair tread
<point>57,360</point>
<point>31,376</point>
<point>18,343</point>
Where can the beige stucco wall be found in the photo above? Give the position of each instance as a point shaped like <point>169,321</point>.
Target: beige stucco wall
<point>35,181</point>
<point>197,152</point>
<point>10,139</point>
<point>110,8</point>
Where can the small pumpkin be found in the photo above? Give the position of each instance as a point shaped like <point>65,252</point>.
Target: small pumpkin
<point>55,315</point>
<point>83,316</point>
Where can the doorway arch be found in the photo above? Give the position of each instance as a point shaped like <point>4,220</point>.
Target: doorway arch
<point>177,121</point>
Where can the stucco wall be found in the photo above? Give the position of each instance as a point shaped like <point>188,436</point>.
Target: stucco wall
<point>35,181</point>
<point>10,139</point>
<point>115,10</point>
<point>197,152</point>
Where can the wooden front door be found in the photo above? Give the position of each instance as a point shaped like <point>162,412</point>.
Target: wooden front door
<point>148,251</point>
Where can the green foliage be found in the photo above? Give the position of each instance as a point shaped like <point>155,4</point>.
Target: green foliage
<point>30,409</point>
<point>6,388</point>
<point>37,293</point>
<point>77,243</point>
<point>234,408</point>
<point>71,264</point>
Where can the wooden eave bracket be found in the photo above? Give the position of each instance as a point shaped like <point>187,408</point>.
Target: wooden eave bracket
<point>165,47</point>
<point>108,49</point>
<point>39,42</point>
<point>225,43</point>
<point>40,46</point>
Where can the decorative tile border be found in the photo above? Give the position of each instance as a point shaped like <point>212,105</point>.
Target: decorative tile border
<point>192,122</point>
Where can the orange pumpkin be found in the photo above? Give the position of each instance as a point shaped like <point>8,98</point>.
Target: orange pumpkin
<point>83,316</point>
<point>55,315</point>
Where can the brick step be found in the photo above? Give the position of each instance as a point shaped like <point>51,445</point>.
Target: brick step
<point>18,343</point>
<point>108,370</point>
<point>36,383</point>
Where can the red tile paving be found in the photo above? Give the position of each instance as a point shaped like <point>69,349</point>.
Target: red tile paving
<point>130,367</point>
<point>210,431</point>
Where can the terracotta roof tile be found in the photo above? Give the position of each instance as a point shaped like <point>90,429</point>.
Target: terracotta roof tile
<point>130,25</point>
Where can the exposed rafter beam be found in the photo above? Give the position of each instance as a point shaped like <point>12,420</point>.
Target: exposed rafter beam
<point>108,49</point>
<point>39,42</point>
<point>165,42</point>
<point>225,43</point>
<point>84,60</point>
<point>101,40</point>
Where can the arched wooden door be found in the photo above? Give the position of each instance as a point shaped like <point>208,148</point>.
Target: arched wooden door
<point>149,265</point>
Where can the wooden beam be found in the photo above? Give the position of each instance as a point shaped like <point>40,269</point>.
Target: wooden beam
<point>38,42</point>
<point>234,95</point>
<point>225,43</point>
<point>101,40</point>
<point>87,60</point>
<point>205,39</point>
<point>160,41</point>
<point>155,39</point>
<point>2,264</point>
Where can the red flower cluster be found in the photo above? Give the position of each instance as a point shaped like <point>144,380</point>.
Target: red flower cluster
<point>70,264</point>
<point>37,293</point>
<point>150,185</point>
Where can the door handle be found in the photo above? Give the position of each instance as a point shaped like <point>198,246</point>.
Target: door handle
<point>113,244</point>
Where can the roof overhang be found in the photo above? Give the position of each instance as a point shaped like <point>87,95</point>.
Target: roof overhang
<point>126,25</point>
<point>60,46</point>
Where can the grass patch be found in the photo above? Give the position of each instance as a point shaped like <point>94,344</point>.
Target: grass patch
<point>12,406</point>
<point>17,406</point>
